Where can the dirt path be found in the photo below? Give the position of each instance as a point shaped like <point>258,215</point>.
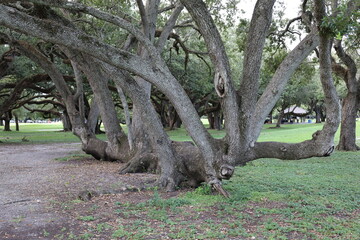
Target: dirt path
<point>32,183</point>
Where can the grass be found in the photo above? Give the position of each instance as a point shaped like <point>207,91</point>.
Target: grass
<point>51,132</point>
<point>316,198</point>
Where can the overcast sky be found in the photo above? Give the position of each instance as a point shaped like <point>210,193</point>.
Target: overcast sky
<point>291,7</point>
<point>291,11</point>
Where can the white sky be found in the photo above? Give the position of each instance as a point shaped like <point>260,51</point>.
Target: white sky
<point>291,6</point>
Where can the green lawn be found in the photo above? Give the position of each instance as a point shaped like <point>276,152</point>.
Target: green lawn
<point>316,198</point>
<point>51,132</point>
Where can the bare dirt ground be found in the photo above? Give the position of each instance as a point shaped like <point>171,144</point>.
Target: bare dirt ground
<point>35,188</point>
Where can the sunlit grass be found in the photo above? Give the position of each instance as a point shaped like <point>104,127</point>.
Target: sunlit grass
<point>52,132</point>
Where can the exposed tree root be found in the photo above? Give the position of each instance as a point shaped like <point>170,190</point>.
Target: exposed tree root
<point>218,187</point>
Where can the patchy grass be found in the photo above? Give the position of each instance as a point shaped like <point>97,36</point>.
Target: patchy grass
<point>316,198</point>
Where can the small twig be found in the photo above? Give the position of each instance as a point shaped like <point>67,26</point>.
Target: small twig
<point>18,201</point>
<point>220,189</point>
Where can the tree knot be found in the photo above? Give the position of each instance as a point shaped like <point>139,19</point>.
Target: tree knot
<point>220,85</point>
<point>226,171</point>
<point>283,149</point>
<point>329,151</point>
<point>316,134</point>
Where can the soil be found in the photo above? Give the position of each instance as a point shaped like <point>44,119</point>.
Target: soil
<point>37,182</point>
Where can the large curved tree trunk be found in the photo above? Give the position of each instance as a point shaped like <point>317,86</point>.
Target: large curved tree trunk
<point>66,122</point>
<point>347,141</point>
<point>350,104</point>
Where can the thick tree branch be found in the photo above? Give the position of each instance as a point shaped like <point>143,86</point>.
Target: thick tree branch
<point>249,87</point>
<point>169,26</point>
<point>322,142</point>
<point>222,80</point>
<point>278,82</point>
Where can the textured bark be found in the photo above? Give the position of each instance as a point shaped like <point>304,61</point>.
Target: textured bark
<point>79,95</point>
<point>117,140</point>
<point>350,103</point>
<point>161,149</point>
<point>67,127</point>
<point>7,119</point>
<point>249,87</point>
<point>90,143</point>
<point>347,140</point>
<point>127,116</point>
<point>17,123</point>
<point>222,79</point>
<point>93,117</point>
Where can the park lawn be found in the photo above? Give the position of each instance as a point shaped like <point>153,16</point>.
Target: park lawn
<point>51,132</point>
<point>315,198</point>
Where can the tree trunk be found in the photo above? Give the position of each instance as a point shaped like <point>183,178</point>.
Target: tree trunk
<point>117,140</point>
<point>347,141</point>
<point>66,122</point>
<point>350,103</point>
<point>211,120</point>
<point>7,121</point>
<point>158,156</point>
<point>218,120</point>
<point>280,118</point>
<point>93,118</point>
<point>318,114</point>
<point>17,123</point>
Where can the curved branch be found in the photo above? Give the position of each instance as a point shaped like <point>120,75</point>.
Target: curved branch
<point>278,82</point>
<point>169,26</point>
<point>349,63</point>
<point>215,46</point>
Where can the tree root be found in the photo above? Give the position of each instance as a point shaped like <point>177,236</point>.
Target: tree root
<point>217,186</point>
<point>221,190</point>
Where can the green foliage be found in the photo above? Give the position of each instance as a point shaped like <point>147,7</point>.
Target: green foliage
<point>241,33</point>
<point>343,23</point>
<point>204,189</point>
<point>87,218</point>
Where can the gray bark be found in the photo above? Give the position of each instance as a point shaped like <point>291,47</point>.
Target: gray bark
<point>160,142</point>
<point>93,116</point>
<point>127,116</point>
<point>249,86</point>
<point>90,143</point>
<point>79,95</point>
<point>350,103</point>
<point>99,85</point>
<point>222,79</point>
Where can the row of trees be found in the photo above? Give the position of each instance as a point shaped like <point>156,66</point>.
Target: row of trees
<point>132,51</point>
